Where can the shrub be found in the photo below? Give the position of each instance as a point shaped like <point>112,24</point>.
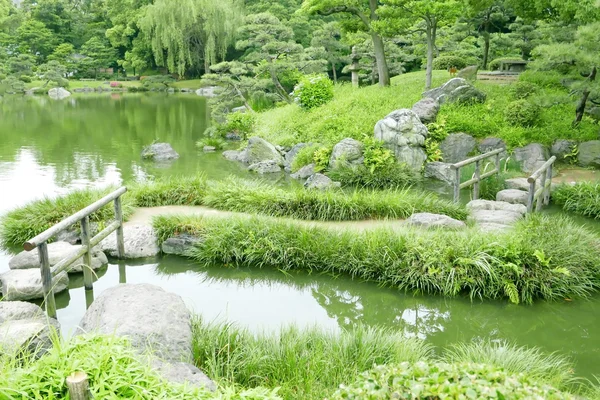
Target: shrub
<point>522,113</point>
<point>445,62</point>
<point>522,90</point>
<point>582,198</point>
<point>313,91</point>
<point>321,158</point>
<point>216,142</point>
<point>394,176</point>
<point>436,380</point>
<point>241,124</point>
<point>495,64</point>
<point>545,79</point>
<point>540,258</point>
<point>25,78</point>
<point>376,155</point>
<point>157,81</point>
<point>304,157</point>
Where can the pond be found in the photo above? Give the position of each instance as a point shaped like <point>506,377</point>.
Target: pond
<point>48,148</point>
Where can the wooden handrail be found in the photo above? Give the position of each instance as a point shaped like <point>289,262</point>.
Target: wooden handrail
<point>478,177</point>
<point>541,195</point>
<point>477,158</point>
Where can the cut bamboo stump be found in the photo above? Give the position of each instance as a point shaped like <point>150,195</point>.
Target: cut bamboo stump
<point>78,386</point>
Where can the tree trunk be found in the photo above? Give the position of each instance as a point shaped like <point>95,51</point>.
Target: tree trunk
<point>431,33</point>
<point>334,72</point>
<point>486,48</point>
<point>580,110</point>
<point>241,95</point>
<point>277,83</point>
<point>382,67</point>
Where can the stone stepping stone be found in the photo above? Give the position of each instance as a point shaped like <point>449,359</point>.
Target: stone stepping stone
<point>140,242</point>
<point>500,217</point>
<point>25,327</point>
<point>496,205</point>
<point>56,252</point>
<point>428,220</point>
<point>513,196</point>
<point>26,284</point>
<point>522,184</point>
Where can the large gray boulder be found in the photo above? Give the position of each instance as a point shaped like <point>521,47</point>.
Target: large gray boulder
<point>562,148</point>
<point>427,110</point>
<point>456,90</point>
<point>513,196</point>
<point>259,150</point>
<point>428,220</point>
<point>159,152</point>
<point>291,155</point>
<point>500,217</point>
<point>56,252</point>
<point>232,155</point>
<point>440,171</point>
<point>491,144</point>
<point>457,146</point>
<point>531,157</point>
<point>26,284</point>
<point>589,154</point>
<point>208,91</point>
<point>149,316</point>
<point>403,132</point>
<point>180,245</point>
<point>183,373</point>
<point>32,336</point>
<point>140,242</point>
<point>265,167</point>
<point>320,182</point>
<point>305,172</point>
<point>58,93</point>
<point>349,151</point>
<point>15,310</point>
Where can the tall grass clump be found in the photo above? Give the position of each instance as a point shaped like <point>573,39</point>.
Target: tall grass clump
<point>261,198</point>
<point>114,369</point>
<point>171,191</point>
<point>23,223</point>
<point>395,176</point>
<point>582,198</point>
<point>541,258</point>
<point>305,364</point>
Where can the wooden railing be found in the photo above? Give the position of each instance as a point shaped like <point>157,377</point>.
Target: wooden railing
<point>83,217</point>
<point>541,195</point>
<point>478,177</point>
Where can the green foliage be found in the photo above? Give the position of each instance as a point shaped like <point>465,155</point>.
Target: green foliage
<point>114,369</point>
<point>187,191</point>
<point>522,113</point>
<point>25,79</point>
<point>304,364</point>
<point>543,258</point>
<point>376,156</point>
<point>447,62</point>
<point>261,198</point>
<point>394,176</point>
<point>241,124</point>
<point>23,223</point>
<point>521,90</point>
<point>545,79</point>
<point>437,133</point>
<point>305,156</point>
<point>433,380</point>
<point>313,91</point>
<point>321,158</point>
<point>433,150</point>
<point>216,142</point>
<point>582,198</point>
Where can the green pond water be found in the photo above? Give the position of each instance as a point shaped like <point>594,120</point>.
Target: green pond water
<point>48,148</point>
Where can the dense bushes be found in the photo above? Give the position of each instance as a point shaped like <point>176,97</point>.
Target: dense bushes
<point>394,176</point>
<point>582,198</point>
<point>522,113</point>
<point>237,123</point>
<point>313,91</point>
<point>435,380</point>
<point>445,62</point>
<point>522,90</point>
<point>541,258</point>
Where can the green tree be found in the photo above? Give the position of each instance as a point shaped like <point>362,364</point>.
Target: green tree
<point>336,52</point>
<point>56,15</point>
<point>192,32</point>
<point>237,84</point>
<point>524,36</point>
<point>488,17</point>
<point>53,71</point>
<point>63,54</point>
<point>35,38</point>
<point>21,64</point>
<point>399,16</point>
<point>366,11</point>
<point>98,54</point>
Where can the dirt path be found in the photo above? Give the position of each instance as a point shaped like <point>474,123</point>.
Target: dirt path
<point>144,215</point>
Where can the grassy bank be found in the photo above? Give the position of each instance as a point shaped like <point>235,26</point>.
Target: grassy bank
<point>76,84</point>
<point>23,223</point>
<point>582,198</point>
<point>542,258</point>
<point>354,112</point>
<point>292,364</point>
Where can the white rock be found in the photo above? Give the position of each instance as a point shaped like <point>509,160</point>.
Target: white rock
<point>58,93</point>
<point>26,284</point>
<point>56,252</point>
<point>491,205</point>
<point>513,196</point>
<point>140,242</point>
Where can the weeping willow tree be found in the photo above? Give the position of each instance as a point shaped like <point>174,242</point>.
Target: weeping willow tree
<point>188,34</point>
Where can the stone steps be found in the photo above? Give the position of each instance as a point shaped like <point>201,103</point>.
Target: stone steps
<point>495,215</point>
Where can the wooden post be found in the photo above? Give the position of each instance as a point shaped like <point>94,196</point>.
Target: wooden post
<point>47,280</point>
<point>89,298</point>
<point>549,190</point>
<point>540,199</point>
<point>78,386</point>
<point>531,196</point>
<point>457,185</point>
<point>476,184</point>
<point>354,67</point>
<point>122,272</point>
<point>498,163</point>
<point>120,236</point>
<point>85,241</point>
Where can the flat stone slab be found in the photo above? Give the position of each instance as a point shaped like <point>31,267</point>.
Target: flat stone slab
<point>30,335</point>
<point>493,228</point>
<point>26,284</point>
<point>513,196</point>
<point>523,184</point>
<point>140,242</point>
<point>15,310</point>
<point>149,316</point>
<point>491,205</point>
<point>500,217</point>
<point>56,252</point>
<point>428,220</point>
